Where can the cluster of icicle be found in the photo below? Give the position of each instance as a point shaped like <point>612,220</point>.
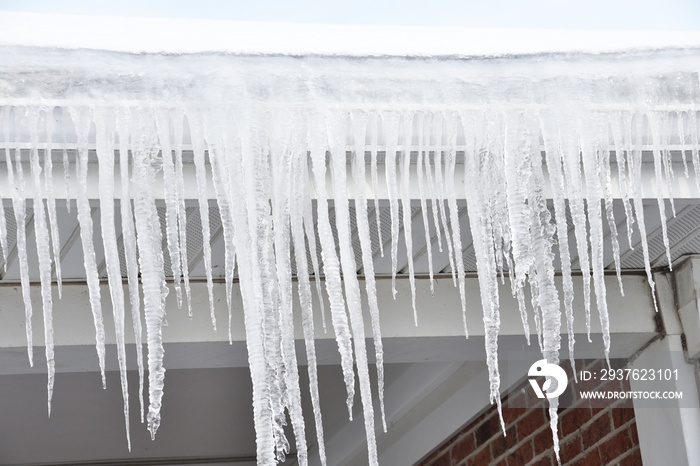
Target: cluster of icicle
<point>275,171</point>
<point>265,168</point>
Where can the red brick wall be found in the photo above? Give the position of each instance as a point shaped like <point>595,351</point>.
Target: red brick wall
<point>590,434</point>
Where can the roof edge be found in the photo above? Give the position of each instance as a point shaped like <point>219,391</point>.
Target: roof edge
<point>185,36</point>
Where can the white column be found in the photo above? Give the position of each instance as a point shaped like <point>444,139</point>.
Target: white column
<point>669,430</point>
<point>687,281</point>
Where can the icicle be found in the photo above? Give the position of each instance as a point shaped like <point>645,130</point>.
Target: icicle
<point>254,160</point>
<point>19,207</point>
<point>64,157</point>
<point>603,164</point>
<point>695,144</point>
<point>594,194</point>
<point>3,224</point>
<point>422,194</point>
<point>43,248</point>
<point>309,228</point>
<point>248,212</point>
<point>105,122</point>
<point>149,240</point>
<point>635,170</point>
<point>660,180</point>
<point>433,193</point>
<point>556,178</point>
<point>336,124</point>
<point>485,261</point>
<point>82,121</point>
<point>390,127</point>
<point>554,426</point>
<point>171,201</point>
<point>178,117</point>
<point>282,158</point>
<point>669,174</point>
<point>331,266</point>
<point>374,135</point>
<point>680,128</point>
<point>228,226</point>
<point>571,161</point>
<point>517,167</point>
<point>198,149</point>
<point>129,242</point>
<point>439,188</point>
<point>542,272</point>
<point>451,157</point>
<point>405,193</point>
<point>51,200</point>
<point>3,235</point>
<point>220,142</point>
<point>617,125</point>
<point>296,211</point>
<point>359,126</point>
<point>492,163</point>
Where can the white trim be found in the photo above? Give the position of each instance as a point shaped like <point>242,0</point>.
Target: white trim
<point>669,435</point>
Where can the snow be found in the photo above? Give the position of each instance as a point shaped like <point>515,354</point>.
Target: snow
<point>150,35</point>
<point>273,134</point>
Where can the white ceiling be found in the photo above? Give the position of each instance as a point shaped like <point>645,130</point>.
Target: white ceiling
<point>206,418</point>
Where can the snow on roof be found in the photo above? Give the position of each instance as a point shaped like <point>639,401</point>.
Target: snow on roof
<point>148,35</point>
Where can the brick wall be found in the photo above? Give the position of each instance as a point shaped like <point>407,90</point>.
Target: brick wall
<point>591,433</point>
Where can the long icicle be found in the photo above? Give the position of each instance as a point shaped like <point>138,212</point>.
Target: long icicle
<point>336,123</point>
<point>51,200</point>
<point>43,248</point>
<point>171,201</point>
<point>390,126</point>
<point>282,160</point>
<point>488,281</point>
<point>453,217</point>
<point>149,240</point>
<point>296,209</point>
<point>105,123</point>
<point>178,122</point>
<point>194,122</point>
<point>405,194</point>
<point>331,266</point>
<point>553,156</point>
<point>83,120</point>
<point>420,168</point>
<point>19,206</point>
<point>359,129</point>
<point>129,242</point>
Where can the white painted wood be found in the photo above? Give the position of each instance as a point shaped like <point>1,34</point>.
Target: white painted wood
<point>193,343</point>
<point>687,278</point>
<point>669,434</point>
<point>439,315</point>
